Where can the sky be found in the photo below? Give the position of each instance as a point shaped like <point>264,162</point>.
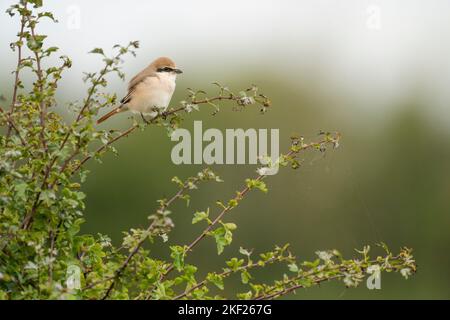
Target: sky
<point>374,51</point>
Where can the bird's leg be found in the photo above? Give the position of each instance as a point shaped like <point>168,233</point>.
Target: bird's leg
<point>164,114</point>
<point>158,111</point>
<point>143,118</point>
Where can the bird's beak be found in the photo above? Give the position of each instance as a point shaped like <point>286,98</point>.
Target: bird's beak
<point>178,71</point>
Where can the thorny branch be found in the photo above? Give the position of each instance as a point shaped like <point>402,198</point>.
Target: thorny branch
<point>150,231</point>
<point>16,72</point>
<point>295,149</point>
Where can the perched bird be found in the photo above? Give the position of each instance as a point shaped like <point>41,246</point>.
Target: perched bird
<point>149,89</point>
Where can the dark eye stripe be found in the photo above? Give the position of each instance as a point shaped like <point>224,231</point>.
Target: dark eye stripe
<point>165,69</point>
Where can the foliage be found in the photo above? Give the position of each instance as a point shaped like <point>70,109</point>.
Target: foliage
<point>42,170</point>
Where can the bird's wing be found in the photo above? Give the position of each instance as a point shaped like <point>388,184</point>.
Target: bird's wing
<point>137,79</point>
<point>127,98</point>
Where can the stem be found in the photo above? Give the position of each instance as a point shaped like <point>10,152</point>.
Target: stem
<point>40,85</point>
<point>17,71</point>
<point>100,149</point>
<point>341,268</point>
<point>150,228</point>
<point>294,287</point>
<point>26,224</point>
<point>14,126</point>
<point>52,235</point>
<point>242,194</point>
<point>91,93</point>
<point>133,127</point>
<point>135,250</point>
<point>224,274</point>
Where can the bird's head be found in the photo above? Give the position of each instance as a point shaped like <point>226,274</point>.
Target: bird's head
<point>164,65</point>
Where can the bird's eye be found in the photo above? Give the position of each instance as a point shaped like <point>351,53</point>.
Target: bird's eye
<point>165,69</point>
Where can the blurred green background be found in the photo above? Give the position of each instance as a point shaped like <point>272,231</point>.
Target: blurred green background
<point>383,87</point>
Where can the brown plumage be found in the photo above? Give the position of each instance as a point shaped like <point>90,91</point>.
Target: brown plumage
<point>110,114</point>
<point>151,88</point>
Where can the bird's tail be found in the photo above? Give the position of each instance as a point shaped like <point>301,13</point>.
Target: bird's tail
<point>110,114</point>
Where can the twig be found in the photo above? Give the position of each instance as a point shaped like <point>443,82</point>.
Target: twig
<point>14,126</point>
<point>52,235</point>
<point>70,158</point>
<point>17,71</point>
<point>96,283</point>
<point>135,250</point>
<point>40,85</point>
<point>341,268</point>
<point>153,120</point>
<point>91,92</point>
<point>164,205</point>
<point>224,274</point>
<point>26,224</point>
<point>294,287</point>
<point>100,149</point>
<point>241,195</point>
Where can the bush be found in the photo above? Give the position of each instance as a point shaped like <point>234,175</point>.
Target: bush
<point>42,253</point>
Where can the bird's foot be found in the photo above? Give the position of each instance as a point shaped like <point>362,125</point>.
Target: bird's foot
<point>143,118</point>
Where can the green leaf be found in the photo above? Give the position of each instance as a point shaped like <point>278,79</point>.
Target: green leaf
<point>220,204</point>
<point>232,203</point>
<point>51,50</point>
<point>235,263</point>
<point>245,252</point>
<point>97,51</point>
<point>177,181</point>
<point>200,216</point>
<point>293,267</point>
<point>48,197</point>
<point>223,235</point>
<point>215,279</point>
<point>256,184</point>
<point>48,15</point>
<point>305,282</point>
<point>75,227</point>
<point>245,276</point>
<point>245,296</point>
<point>37,3</point>
<point>177,255</point>
<point>21,189</point>
<point>230,226</point>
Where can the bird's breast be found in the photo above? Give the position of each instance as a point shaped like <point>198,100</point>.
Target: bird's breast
<point>153,92</point>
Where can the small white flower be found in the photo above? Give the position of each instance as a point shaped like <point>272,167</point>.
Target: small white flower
<point>13,154</point>
<point>189,107</point>
<point>246,101</point>
<point>324,255</point>
<point>373,269</point>
<point>58,286</point>
<point>405,272</point>
<point>263,171</point>
<point>348,280</point>
<point>31,265</point>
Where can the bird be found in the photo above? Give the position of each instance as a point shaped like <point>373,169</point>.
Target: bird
<point>149,91</point>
